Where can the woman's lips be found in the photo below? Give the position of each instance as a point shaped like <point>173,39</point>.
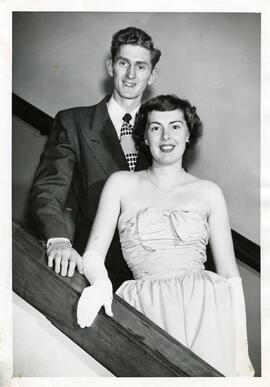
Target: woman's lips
<point>167,148</point>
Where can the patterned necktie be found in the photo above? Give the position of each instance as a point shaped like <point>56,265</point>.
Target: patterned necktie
<point>127,142</point>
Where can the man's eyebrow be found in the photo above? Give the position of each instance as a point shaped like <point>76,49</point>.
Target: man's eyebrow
<point>122,58</point>
<point>142,62</point>
<point>137,61</point>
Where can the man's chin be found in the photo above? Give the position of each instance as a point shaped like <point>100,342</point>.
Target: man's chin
<point>129,94</point>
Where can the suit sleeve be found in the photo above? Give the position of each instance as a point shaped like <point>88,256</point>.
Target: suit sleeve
<point>52,182</point>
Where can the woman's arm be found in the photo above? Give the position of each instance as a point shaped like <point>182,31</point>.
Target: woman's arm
<point>223,254</point>
<point>100,292</point>
<point>106,217</point>
<point>220,234</point>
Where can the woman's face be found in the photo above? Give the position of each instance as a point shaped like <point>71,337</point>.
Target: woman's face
<point>166,135</point>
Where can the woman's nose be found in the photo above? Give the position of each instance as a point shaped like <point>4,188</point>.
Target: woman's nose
<point>165,133</point>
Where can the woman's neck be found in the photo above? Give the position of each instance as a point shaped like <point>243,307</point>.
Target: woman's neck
<point>167,177</point>
<point>168,171</point>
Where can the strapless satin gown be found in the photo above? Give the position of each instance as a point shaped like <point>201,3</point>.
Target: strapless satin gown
<point>166,252</point>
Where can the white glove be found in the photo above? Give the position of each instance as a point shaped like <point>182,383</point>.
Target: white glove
<point>243,364</point>
<point>99,294</point>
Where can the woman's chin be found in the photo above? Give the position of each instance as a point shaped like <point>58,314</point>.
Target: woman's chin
<point>168,161</point>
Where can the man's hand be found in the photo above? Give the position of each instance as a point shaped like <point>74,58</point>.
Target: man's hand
<point>64,257</point>
<point>92,299</point>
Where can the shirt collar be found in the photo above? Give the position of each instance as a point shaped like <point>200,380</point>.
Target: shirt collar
<point>116,113</point>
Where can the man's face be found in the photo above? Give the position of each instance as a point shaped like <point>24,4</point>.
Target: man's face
<point>131,72</point>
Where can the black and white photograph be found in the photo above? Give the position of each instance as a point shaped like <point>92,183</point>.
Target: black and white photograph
<point>136,195</point>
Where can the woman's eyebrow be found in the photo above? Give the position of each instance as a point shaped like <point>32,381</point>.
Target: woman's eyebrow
<point>154,122</point>
<point>173,122</point>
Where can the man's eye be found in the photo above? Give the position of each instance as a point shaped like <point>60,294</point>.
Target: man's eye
<point>140,67</point>
<point>122,63</point>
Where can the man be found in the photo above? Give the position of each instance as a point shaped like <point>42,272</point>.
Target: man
<point>86,145</point>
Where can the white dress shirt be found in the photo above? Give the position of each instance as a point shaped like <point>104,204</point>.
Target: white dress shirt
<point>116,113</point>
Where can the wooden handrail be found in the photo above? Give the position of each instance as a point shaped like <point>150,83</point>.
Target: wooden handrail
<point>31,114</point>
<point>129,344</point>
<point>245,250</point>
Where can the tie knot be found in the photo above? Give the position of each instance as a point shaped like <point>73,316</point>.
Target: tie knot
<point>127,117</point>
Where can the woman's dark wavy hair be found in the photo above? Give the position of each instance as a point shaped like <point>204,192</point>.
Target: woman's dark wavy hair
<point>135,36</point>
<point>164,103</point>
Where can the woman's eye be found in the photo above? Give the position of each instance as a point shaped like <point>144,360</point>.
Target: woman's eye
<point>176,126</point>
<point>154,128</point>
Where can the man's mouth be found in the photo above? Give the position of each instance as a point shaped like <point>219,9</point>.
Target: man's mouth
<point>167,148</point>
<point>129,84</point>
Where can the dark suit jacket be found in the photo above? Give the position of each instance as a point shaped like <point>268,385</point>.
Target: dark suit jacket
<point>82,151</point>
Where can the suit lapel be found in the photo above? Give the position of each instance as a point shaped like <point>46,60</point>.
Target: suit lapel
<point>102,139</point>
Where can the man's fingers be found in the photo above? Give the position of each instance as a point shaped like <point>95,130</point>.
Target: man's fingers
<point>64,266</point>
<point>71,268</point>
<point>79,264</point>
<point>65,260</point>
<point>50,259</point>
<point>72,262</point>
<point>57,261</point>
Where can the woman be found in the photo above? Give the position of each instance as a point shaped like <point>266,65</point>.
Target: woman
<point>165,218</point>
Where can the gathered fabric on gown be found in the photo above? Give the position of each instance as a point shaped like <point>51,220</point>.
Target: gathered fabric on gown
<point>166,252</point>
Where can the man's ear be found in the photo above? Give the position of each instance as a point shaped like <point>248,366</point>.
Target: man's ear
<point>153,77</point>
<point>109,64</point>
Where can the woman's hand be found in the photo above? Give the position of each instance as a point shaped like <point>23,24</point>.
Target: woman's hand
<point>92,299</point>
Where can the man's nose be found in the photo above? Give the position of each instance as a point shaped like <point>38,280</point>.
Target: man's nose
<point>131,72</point>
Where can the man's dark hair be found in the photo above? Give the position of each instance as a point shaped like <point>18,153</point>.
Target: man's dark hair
<point>135,36</point>
<point>163,103</point>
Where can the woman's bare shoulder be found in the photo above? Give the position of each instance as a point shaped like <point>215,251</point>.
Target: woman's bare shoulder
<point>209,190</point>
<point>122,179</point>
<point>204,183</point>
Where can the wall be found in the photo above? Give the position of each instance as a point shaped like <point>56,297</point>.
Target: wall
<point>40,349</point>
<point>211,59</point>
<point>27,145</point>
